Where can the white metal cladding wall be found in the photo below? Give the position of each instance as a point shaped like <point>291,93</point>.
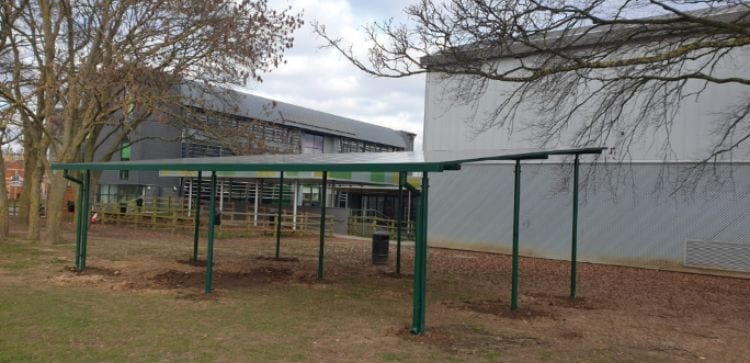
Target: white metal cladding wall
<point>630,222</point>
<point>455,123</point>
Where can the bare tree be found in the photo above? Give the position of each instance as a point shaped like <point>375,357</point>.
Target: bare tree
<point>4,206</point>
<point>8,15</point>
<point>78,69</point>
<point>598,72</point>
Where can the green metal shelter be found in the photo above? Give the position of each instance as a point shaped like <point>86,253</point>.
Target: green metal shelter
<point>395,162</point>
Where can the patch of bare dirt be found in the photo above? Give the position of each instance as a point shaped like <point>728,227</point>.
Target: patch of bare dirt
<point>195,279</point>
<point>92,275</point>
<point>280,259</point>
<point>191,262</point>
<point>566,301</point>
<point>394,275</point>
<point>461,338</point>
<point>94,271</point>
<point>501,308</point>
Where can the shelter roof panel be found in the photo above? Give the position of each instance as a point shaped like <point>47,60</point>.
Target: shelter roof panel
<point>430,161</point>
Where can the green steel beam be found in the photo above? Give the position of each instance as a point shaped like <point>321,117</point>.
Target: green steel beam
<point>211,226</point>
<point>85,220</point>
<point>420,261</point>
<point>399,219</point>
<point>72,179</point>
<point>411,188</point>
<point>321,250</point>
<point>197,232</point>
<point>278,215</point>
<point>574,229</point>
<point>516,217</point>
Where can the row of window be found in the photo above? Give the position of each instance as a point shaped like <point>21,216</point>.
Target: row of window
<point>348,145</point>
<point>195,150</point>
<point>314,144</point>
<point>281,139</point>
<point>311,144</point>
<point>243,136</point>
<point>249,136</point>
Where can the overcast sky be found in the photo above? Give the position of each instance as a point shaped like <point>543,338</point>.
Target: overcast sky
<point>323,80</point>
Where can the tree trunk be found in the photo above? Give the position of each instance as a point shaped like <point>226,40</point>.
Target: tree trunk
<point>4,215</point>
<point>55,201</point>
<point>29,164</point>
<point>34,179</point>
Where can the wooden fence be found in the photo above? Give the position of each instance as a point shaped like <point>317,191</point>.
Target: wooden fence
<point>174,219</point>
<point>365,226</point>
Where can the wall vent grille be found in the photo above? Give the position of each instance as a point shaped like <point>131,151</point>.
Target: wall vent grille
<point>730,256</point>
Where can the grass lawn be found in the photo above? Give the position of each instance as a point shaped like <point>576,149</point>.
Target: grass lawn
<point>141,301</point>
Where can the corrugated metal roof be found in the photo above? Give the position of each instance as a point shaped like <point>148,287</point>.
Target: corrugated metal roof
<point>260,108</point>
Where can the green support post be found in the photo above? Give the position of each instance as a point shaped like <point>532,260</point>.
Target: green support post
<point>574,229</point>
<point>196,234</point>
<point>321,250</point>
<point>79,218</point>
<point>420,261</point>
<point>416,296</point>
<point>399,219</point>
<point>85,220</point>
<point>79,224</point>
<point>278,215</point>
<point>516,217</point>
<point>210,248</point>
<point>425,225</point>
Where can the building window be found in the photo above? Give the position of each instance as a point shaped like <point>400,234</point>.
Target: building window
<point>15,180</point>
<point>312,144</point>
<point>125,149</point>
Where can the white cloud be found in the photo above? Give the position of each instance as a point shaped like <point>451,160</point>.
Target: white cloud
<point>323,80</point>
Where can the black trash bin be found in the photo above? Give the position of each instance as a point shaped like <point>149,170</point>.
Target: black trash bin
<point>380,241</point>
<point>123,207</point>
